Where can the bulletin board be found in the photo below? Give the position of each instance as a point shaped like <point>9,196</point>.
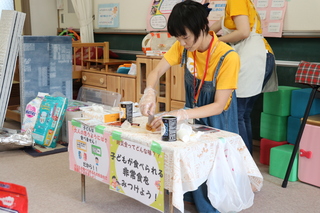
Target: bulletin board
<point>288,17</point>
<point>272,14</point>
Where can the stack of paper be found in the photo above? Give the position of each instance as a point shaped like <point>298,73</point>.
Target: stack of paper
<point>11,26</point>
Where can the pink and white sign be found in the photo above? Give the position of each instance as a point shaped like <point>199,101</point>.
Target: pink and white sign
<point>159,12</point>
<point>89,150</point>
<point>272,14</point>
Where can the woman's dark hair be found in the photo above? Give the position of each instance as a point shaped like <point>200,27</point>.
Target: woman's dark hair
<point>191,15</point>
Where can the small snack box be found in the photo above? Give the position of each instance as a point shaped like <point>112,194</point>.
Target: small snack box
<point>100,113</point>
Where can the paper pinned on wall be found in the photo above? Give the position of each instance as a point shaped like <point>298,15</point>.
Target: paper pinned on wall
<point>272,15</point>
<point>60,5</point>
<point>108,15</point>
<point>159,12</point>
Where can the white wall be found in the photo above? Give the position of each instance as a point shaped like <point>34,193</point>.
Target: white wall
<point>6,5</point>
<point>44,17</point>
<point>133,14</point>
<point>68,18</point>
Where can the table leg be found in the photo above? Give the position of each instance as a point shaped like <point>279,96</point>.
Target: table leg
<point>171,209</point>
<point>83,188</point>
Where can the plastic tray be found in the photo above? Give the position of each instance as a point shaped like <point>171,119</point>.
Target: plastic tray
<point>99,96</point>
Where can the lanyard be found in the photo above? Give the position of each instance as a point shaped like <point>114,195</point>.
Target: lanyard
<point>196,94</point>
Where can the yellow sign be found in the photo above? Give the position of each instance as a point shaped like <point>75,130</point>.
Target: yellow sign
<point>137,172</point>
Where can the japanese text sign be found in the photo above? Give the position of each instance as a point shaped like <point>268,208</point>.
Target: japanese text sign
<point>89,151</point>
<point>137,172</point>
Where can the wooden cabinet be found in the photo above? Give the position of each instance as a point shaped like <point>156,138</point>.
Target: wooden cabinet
<point>102,74</point>
<point>123,84</point>
<point>177,87</point>
<point>170,89</point>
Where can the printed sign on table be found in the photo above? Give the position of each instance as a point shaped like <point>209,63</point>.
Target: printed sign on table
<point>137,172</point>
<point>89,150</point>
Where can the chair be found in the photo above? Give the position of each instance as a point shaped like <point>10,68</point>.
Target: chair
<point>309,74</point>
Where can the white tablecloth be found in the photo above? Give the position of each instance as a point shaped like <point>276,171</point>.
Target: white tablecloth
<point>188,165</point>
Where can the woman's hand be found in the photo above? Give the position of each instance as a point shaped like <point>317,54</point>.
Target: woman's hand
<point>147,102</point>
<point>181,115</point>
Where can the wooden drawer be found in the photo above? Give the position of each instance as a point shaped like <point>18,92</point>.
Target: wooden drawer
<point>94,79</point>
<point>177,105</point>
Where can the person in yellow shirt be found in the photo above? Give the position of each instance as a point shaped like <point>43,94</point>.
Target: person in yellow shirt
<point>241,28</point>
<point>211,76</point>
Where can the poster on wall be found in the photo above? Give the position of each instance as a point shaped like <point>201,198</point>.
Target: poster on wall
<point>272,14</point>
<point>159,12</point>
<point>217,10</point>
<point>137,172</point>
<point>89,150</point>
<point>108,15</point>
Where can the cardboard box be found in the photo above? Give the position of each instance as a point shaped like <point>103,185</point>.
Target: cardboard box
<point>13,198</point>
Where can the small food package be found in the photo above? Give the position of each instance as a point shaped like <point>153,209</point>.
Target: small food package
<point>13,198</point>
<point>49,121</point>
<point>99,112</point>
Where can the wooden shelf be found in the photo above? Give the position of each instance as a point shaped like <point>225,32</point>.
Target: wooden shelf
<point>13,113</point>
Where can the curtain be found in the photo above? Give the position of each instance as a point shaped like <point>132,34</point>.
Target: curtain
<point>83,9</point>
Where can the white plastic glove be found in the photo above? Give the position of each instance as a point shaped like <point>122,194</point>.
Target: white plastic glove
<point>147,102</point>
<point>181,114</point>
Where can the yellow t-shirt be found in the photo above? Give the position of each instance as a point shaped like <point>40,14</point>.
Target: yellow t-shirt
<point>228,73</point>
<point>243,7</point>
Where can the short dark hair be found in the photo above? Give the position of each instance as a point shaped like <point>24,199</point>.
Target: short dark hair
<point>191,15</point>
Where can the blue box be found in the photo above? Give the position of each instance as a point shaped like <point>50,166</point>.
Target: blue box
<point>293,129</point>
<point>299,101</point>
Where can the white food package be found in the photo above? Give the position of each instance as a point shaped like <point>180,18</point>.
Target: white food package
<point>31,113</point>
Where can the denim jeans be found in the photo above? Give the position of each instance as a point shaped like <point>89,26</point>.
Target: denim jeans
<point>245,106</point>
<point>201,200</point>
<point>224,121</point>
